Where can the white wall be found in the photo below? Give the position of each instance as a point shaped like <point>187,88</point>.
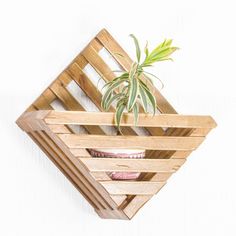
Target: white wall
<point>39,38</point>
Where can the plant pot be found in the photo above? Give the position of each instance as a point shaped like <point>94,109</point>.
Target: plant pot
<point>120,153</point>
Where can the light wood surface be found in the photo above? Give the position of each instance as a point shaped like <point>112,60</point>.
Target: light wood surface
<point>131,142</point>
<point>145,120</point>
<point>132,187</point>
<point>132,165</point>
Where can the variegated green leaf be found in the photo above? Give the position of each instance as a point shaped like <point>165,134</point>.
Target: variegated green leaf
<point>145,72</point>
<point>143,98</point>
<point>166,43</point>
<point>160,53</point>
<point>111,99</point>
<point>122,76</point>
<point>164,53</point>
<point>118,115</point>
<point>135,111</point>
<point>124,89</point>
<point>105,102</point>
<point>146,50</point>
<point>151,98</point>
<point>122,101</point>
<point>144,85</point>
<point>109,90</point>
<point>133,87</point>
<point>138,51</point>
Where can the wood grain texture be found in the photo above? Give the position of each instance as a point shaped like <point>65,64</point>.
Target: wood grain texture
<point>132,187</point>
<point>132,165</point>
<point>131,142</point>
<point>145,120</point>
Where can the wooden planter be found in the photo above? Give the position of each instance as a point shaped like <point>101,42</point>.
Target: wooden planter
<point>169,138</point>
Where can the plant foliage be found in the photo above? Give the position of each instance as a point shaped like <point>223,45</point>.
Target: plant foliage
<point>130,90</point>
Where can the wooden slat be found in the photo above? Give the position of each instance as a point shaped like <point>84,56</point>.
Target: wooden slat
<point>133,206</point>
<point>119,199</point>
<point>71,103</point>
<point>132,165</point>
<point>135,142</point>
<point>112,214</point>
<point>80,153</point>
<point>59,129</point>
<point>85,84</point>
<point>159,177</point>
<point>131,187</point>
<point>98,63</point>
<point>100,176</point>
<point>145,120</point>
<point>201,132</point>
<point>114,48</point>
<point>65,97</point>
<point>44,103</point>
<point>180,154</point>
<point>137,203</point>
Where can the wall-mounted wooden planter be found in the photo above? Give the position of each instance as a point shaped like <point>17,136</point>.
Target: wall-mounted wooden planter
<point>169,138</point>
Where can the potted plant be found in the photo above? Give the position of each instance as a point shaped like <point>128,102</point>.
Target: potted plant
<point>127,93</point>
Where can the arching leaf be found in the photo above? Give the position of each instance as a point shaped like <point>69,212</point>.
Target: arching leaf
<point>111,99</point>
<point>138,51</point>
<point>118,115</point>
<point>109,90</point>
<point>135,111</point>
<point>133,87</point>
<point>151,98</point>
<point>143,98</point>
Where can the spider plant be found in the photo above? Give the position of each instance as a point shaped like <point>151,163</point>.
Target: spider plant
<point>130,89</point>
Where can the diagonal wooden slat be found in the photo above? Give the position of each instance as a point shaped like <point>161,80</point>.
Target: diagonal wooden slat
<point>85,84</point>
<point>131,187</point>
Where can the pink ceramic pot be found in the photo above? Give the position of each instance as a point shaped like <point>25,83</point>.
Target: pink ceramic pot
<point>119,153</point>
